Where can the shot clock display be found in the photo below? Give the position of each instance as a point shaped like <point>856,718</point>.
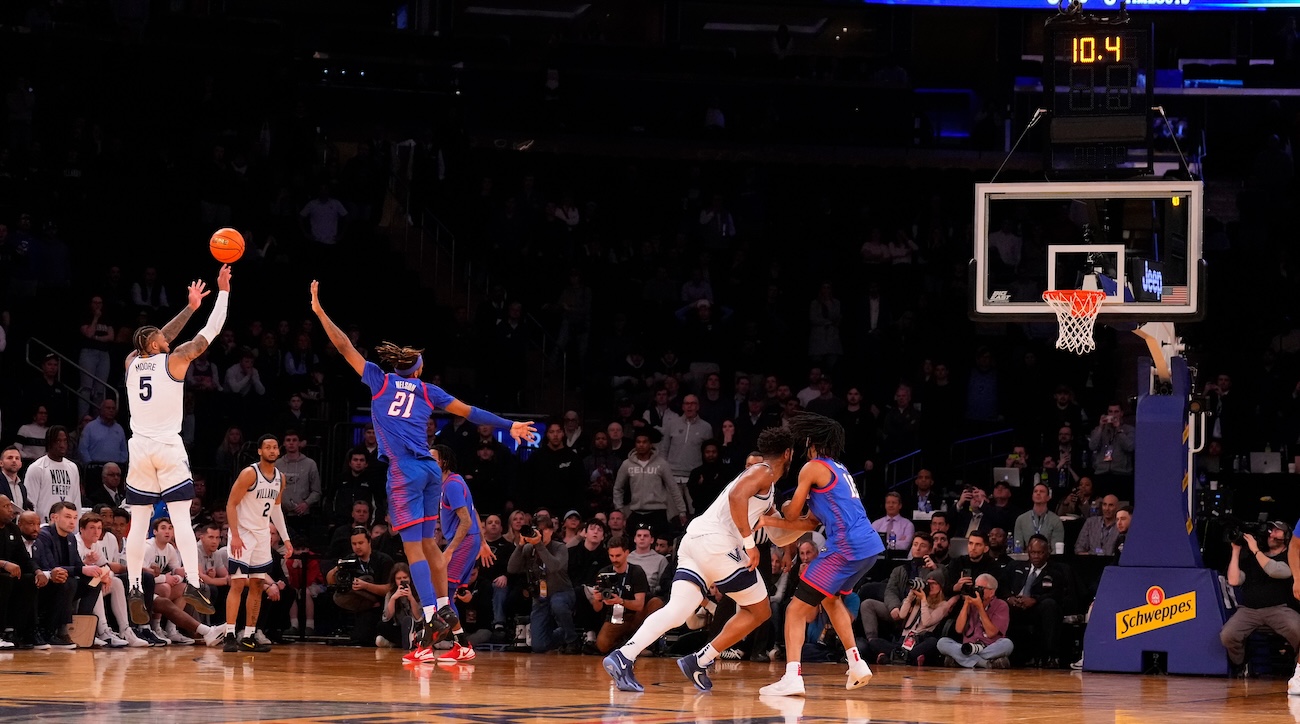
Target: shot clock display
<point>1097,76</point>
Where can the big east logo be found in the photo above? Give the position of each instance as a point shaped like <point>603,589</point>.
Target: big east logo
<point>1158,612</point>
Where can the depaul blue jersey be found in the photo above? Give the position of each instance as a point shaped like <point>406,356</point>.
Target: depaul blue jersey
<point>400,408</point>
<point>455,494</point>
<point>839,508</point>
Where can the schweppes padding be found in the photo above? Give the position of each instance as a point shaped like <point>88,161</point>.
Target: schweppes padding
<point>1157,612</point>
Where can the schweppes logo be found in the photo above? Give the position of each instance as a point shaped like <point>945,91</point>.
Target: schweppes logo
<point>1158,612</point>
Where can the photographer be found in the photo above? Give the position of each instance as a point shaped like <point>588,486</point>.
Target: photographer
<point>546,562</point>
<point>355,591</point>
<point>983,623</point>
<point>1111,443</point>
<point>621,592</point>
<point>924,609</point>
<point>398,619</point>
<point>889,612</point>
<point>1264,586</point>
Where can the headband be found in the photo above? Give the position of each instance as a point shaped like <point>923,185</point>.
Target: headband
<point>408,371</point>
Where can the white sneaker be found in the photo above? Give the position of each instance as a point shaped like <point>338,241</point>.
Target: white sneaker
<point>175,636</point>
<point>101,643</point>
<point>261,638</point>
<point>115,641</point>
<point>132,640</point>
<point>789,685</point>
<point>1293,686</point>
<point>859,675</point>
<point>6,644</point>
<point>216,635</point>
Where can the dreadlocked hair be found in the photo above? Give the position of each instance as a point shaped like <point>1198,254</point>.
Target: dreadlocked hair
<point>819,431</point>
<point>141,337</point>
<point>397,357</point>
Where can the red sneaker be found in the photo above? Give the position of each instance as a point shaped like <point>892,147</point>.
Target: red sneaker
<point>420,655</point>
<point>457,654</point>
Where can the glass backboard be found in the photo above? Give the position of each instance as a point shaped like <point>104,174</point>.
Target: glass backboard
<point>1137,241</point>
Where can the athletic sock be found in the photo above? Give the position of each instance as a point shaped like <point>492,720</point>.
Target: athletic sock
<point>792,668</point>
<point>249,631</point>
<point>444,601</point>
<point>706,655</point>
<point>853,655</point>
<point>429,611</point>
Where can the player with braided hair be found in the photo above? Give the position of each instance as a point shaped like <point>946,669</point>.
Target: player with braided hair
<point>400,408</point>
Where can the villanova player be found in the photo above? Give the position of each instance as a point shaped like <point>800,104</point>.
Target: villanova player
<point>400,407</point>
<point>253,507</point>
<point>717,550</point>
<point>160,468</point>
<point>852,548</point>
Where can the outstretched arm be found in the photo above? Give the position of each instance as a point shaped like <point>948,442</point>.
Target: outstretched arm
<point>198,290</point>
<point>179,360</point>
<point>336,335</point>
<point>520,431</point>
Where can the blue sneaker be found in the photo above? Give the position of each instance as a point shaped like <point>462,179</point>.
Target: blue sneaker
<point>620,669</point>
<point>699,675</point>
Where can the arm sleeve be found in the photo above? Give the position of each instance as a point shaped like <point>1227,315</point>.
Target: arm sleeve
<point>1278,569</point>
<point>277,520</point>
<point>217,319</point>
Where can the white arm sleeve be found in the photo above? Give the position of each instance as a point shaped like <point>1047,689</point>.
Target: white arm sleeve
<point>277,520</point>
<point>217,319</point>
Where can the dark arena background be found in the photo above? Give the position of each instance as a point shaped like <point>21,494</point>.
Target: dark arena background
<point>656,228</point>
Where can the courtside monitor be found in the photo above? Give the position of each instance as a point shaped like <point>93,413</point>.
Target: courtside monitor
<point>1137,242</point>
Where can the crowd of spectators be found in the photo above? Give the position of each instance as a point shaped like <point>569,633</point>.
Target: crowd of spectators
<point>692,305</point>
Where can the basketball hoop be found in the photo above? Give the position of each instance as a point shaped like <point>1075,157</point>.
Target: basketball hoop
<point>1076,312</point>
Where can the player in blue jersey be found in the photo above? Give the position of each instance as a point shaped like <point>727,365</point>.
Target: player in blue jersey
<point>459,521</point>
<point>400,409</point>
<point>851,549</point>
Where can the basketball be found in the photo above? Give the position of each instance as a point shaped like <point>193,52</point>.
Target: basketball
<point>227,245</point>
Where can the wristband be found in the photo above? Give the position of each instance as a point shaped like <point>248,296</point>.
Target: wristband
<point>749,541</point>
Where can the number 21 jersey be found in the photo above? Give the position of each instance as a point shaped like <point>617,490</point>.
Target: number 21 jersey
<point>400,408</point>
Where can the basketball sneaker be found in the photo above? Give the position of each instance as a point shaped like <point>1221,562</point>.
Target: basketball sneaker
<point>139,611</point>
<point>248,644</point>
<point>449,617</point>
<point>438,629</point>
<point>619,667</point>
<point>198,599</point>
<point>215,635</point>
<point>789,685</point>
<point>420,655</point>
<point>859,674</point>
<point>457,654</point>
<point>696,673</point>
<point>231,645</point>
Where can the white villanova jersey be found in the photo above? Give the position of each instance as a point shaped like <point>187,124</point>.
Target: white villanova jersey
<point>255,506</point>
<point>157,399</point>
<point>716,519</point>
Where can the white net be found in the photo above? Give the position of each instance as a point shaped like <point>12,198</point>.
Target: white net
<point>1076,312</point>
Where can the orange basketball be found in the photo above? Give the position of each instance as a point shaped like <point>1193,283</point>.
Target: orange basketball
<point>227,245</point>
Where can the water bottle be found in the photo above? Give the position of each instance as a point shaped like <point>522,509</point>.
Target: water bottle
<point>893,541</point>
<point>1061,479</point>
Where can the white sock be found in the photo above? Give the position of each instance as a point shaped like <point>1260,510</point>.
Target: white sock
<point>707,655</point>
<point>203,629</point>
<point>249,631</point>
<point>443,601</point>
<point>792,668</point>
<point>429,611</point>
<point>459,630</point>
<point>853,655</point>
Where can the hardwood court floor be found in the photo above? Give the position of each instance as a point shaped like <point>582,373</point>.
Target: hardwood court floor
<point>314,683</point>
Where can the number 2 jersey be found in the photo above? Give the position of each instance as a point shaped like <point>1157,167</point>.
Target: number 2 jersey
<point>157,400</point>
<point>839,508</point>
<point>401,407</point>
<point>255,507</point>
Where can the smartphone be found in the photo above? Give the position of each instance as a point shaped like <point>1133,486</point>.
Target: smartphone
<point>1013,456</point>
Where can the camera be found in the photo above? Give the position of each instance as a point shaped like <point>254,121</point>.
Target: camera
<point>608,585</point>
<point>917,584</point>
<point>1236,530</point>
<point>350,569</point>
<point>528,531</point>
<point>970,649</point>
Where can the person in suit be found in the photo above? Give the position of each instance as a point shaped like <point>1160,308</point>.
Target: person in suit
<point>1038,593</point>
<point>11,483</point>
<point>17,582</point>
<point>109,491</point>
<point>56,554</point>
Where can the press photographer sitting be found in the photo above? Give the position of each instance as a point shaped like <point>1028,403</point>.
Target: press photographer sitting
<point>355,589</point>
<point>982,625</point>
<point>623,593</point>
<point>1264,586</point>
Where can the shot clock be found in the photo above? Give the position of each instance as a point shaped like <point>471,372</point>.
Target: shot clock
<point>1097,86</point>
